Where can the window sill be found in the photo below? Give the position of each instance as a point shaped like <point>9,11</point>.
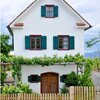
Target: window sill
<point>63,49</point>
<point>49,17</point>
<point>35,49</point>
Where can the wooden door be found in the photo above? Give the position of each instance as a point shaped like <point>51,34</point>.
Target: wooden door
<point>49,83</point>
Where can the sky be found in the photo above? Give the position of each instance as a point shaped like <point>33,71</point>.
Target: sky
<point>89,9</point>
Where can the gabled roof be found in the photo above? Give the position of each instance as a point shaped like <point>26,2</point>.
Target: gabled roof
<point>37,0</point>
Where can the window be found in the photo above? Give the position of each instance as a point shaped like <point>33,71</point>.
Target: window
<point>33,78</point>
<point>49,11</point>
<point>63,43</point>
<point>35,42</point>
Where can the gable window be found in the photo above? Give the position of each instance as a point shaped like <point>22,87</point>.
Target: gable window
<point>63,42</point>
<point>49,11</point>
<point>35,42</point>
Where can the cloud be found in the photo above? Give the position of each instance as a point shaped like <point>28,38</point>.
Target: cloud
<point>10,9</point>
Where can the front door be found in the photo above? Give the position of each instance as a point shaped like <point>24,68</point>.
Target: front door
<point>49,83</point>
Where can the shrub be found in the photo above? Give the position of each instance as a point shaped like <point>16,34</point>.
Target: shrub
<point>86,80</point>
<point>96,64</point>
<point>72,79</point>
<point>65,89</point>
<point>21,88</point>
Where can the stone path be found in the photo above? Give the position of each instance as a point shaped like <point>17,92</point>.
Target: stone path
<point>96,81</point>
<point>96,78</point>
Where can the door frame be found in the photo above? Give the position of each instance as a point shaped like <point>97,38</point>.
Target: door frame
<point>50,73</point>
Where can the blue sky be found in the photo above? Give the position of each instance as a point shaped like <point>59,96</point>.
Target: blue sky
<point>90,10</point>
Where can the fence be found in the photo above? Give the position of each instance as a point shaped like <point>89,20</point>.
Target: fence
<point>76,93</point>
<point>84,93</point>
<point>35,97</point>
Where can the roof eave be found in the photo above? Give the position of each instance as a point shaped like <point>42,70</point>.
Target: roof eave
<point>10,31</point>
<point>88,27</point>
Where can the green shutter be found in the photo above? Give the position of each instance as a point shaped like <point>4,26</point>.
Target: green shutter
<point>39,79</point>
<point>55,42</point>
<point>72,42</point>
<point>63,78</point>
<point>43,42</point>
<point>30,79</point>
<point>27,42</point>
<point>43,11</point>
<point>55,11</point>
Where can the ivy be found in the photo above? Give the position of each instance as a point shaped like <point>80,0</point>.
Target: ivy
<point>17,61</point>
<point>43,61</point>
<point>85,79</point>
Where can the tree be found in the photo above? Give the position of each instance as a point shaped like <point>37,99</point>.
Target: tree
<point>93,41</point>
<point>5,47</point>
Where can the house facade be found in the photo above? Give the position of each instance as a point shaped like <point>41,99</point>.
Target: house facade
<point>47,27</point>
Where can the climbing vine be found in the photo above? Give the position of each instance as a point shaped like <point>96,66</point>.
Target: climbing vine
<point>17,61</point>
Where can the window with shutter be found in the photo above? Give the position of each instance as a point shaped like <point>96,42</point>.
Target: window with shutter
<point>35,42</point>
<point>34,78</point>
<point>49,11</point>
<point>63,42</point>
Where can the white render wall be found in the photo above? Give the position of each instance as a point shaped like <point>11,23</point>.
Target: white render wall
<point>59,69</point>
<point>34,24</point>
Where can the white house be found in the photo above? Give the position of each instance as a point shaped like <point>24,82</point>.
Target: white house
<point>47,27</point>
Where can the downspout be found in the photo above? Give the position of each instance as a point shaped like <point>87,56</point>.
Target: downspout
<point>10,31</point>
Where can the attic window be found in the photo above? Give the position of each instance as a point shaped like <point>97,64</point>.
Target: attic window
<point>19,24</point>
<point>49,11</point>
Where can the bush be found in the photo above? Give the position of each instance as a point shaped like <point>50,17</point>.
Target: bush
<point>85,79</point>
<point>21,88</point>
<point>96,64</point>
<point>72,79</point>
<point>65,89</point>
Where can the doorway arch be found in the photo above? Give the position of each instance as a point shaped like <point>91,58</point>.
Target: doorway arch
<point>49,82</point>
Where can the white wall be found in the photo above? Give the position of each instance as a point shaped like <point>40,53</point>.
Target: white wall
<point>64,24</point>
<point>29,70</point>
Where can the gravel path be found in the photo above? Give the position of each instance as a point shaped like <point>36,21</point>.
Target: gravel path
<point>96,78</point>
